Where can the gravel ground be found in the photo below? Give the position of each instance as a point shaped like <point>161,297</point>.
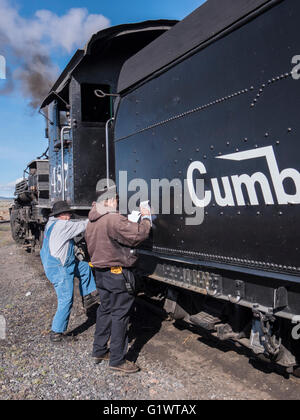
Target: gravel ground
<point>175,363</point>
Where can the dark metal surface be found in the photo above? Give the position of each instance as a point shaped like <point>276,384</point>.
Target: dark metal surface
<point>245,290</point>
<point>28,214</point>
<point>237,95</point>
<point>200,27</point>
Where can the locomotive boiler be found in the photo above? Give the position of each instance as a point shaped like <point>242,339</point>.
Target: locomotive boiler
<point>211,100</point>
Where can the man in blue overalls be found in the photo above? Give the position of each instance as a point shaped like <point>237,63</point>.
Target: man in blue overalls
<point>61,265</point>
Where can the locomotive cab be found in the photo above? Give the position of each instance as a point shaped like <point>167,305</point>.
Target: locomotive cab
<point>80,108</point>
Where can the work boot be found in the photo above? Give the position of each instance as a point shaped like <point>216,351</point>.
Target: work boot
<point>99,359</point>
<point>89,300</point>
<point>59,337</point>
<point>126,367</point>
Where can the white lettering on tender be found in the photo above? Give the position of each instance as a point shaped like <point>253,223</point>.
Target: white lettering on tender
<point>250,182</point>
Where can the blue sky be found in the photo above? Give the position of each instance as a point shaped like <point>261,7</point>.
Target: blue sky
<point>22,128</point>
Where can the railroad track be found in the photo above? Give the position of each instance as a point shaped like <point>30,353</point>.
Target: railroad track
<point>155,308</point>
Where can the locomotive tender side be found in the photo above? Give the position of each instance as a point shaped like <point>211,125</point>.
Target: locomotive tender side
<point>221,105</point>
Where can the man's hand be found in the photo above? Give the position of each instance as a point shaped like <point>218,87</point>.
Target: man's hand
<point>144,212</point>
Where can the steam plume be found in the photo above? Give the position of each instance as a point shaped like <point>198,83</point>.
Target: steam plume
<point>28,45</point>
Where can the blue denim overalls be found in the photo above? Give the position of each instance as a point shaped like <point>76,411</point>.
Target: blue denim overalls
<point>62,278</point>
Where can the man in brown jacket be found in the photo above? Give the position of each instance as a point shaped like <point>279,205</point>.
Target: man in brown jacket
<point>110,238</point>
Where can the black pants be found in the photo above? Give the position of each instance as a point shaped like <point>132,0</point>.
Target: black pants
<point>112,316</point>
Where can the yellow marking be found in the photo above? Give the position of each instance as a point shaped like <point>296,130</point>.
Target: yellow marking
<point>116,270</point>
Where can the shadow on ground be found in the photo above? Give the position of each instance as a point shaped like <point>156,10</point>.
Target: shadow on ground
<point>143,327</point>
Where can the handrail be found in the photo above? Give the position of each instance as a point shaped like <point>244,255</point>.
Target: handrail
<point>67,127</point>
<point>107,147</point>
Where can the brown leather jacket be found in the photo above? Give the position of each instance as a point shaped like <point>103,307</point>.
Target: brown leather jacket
<point>111,236</point>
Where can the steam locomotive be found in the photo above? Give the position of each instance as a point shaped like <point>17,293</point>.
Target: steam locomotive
<point>212,98</point>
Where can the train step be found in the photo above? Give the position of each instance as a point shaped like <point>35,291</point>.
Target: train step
<point>205,320</point>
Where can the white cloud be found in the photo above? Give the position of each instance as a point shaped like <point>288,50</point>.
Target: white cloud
<point>31,43</point>
<point>8,189</point>
<point>69,31</point>
<point>10,185</point>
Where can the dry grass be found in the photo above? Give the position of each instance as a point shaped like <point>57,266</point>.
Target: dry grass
<point>4,209</point>
<point>5,235</point>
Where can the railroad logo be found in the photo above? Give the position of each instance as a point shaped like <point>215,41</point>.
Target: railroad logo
<point>2,67</point>
<point>234,187</point>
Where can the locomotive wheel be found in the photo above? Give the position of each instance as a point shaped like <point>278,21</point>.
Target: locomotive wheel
<point>18,231</point>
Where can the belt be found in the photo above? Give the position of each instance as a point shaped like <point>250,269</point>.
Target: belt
<point>101,269</point>
<point>114,270</point>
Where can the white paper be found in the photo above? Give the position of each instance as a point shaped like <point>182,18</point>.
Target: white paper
<point>134,216</point>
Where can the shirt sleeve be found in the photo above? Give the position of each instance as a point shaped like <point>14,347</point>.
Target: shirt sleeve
<point>130,233</point>
<point>72,229</point>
